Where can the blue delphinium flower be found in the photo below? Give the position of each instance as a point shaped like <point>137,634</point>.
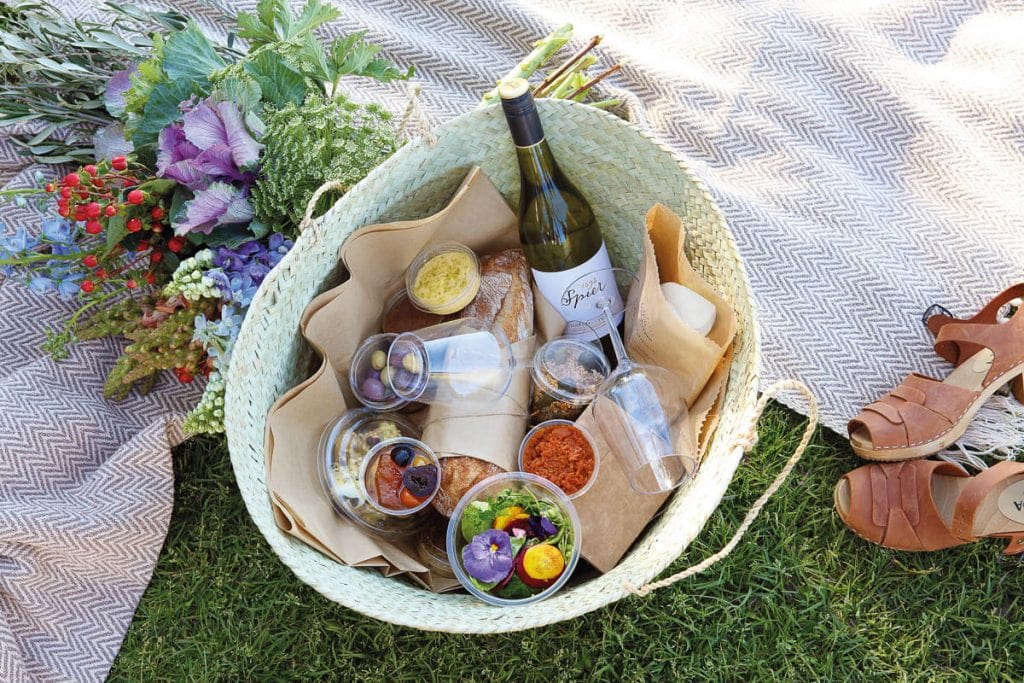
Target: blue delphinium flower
<point>40,284</point>
<point>57,231</point>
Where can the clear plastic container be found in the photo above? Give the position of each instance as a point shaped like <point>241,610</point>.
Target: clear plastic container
<point>431,548</point>
<point>566,375</point>
<point>367,374</point>
<point>537,487</point>
<point>421,456</point>
<point>456,265</point>
<point>345,443</point>
<point>542,427</point>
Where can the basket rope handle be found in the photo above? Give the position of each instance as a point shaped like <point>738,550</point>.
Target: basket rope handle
<point>307,218</point>
<point>747,442</point>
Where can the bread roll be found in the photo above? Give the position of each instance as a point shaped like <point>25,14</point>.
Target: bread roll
<point>505,302</point>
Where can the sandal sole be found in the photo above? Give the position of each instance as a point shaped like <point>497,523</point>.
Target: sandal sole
<point>945,439</point>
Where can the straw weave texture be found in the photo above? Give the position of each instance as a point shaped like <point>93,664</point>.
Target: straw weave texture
<point>623,172</point>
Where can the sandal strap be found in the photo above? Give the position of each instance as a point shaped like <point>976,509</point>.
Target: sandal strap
<point>891,504</point>
<point>914,413</point>
<point>960,341</point>
<point>986,316</point>
<point>976,493</point>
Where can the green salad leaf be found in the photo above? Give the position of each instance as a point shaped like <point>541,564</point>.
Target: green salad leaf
<point>515,589</point>
<point>477,518</point>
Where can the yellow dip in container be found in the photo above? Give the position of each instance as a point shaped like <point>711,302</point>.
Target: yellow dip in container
<point>443,279</point>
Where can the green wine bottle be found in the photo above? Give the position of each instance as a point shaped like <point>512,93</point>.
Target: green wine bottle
<point>561,240</point>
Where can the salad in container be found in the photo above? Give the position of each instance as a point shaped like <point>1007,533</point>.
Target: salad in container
<point>514,539</point>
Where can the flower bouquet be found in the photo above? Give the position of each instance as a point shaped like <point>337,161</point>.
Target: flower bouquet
<point>201,157</point>
<point>194,193</point>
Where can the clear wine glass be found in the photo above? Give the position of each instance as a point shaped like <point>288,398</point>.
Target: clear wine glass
<point>458,361</point>
<point>639,408</point>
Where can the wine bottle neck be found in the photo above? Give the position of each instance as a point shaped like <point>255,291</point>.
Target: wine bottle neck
<point>537,164</point>
<point>523,120</point>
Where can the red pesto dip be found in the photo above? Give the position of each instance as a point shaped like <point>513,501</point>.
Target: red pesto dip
<point>561,454</point>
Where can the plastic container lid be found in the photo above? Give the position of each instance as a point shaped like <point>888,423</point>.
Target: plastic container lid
<point>362,374</point>
<point>452,301</point>
<point>586,435</point>
<point>540,488</point>
<point>345,443</point>
<point>570,370</point>
<point>383,450</point>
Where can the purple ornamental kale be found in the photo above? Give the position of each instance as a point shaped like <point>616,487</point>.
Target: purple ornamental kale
<point>219,204</point>
<point>211,144</point>
<point>488,557</point>
<point>117,86</point>
<point>211,153</point>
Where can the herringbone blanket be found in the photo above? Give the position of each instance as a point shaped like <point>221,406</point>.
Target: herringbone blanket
<point>868,157</point>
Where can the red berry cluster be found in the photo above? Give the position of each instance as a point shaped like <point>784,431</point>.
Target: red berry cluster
<point>108,196</point>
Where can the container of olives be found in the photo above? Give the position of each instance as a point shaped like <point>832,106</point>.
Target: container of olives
<point>368,374</point>
<point>344,448</point>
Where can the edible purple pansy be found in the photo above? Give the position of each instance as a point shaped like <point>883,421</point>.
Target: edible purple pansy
<point>542,527</point>
<point>488,557</point>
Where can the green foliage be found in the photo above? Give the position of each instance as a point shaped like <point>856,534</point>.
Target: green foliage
<point>54,70</point>
<point>311,144</point>
<point>274,21</point>
<point>277,80</point>
<point>347,56</point>
<point>299,56</point>
<point>189,55</point>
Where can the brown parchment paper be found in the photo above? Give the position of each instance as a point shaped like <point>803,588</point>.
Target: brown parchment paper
<point>335,323</point>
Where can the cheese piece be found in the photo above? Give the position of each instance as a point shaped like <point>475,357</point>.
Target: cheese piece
<point>691,308</point>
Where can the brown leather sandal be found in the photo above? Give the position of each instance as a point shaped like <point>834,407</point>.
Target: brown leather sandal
<point>923,415</point>
<point>932,504</point>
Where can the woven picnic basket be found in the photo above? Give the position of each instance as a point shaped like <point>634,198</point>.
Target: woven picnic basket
<point>623,172</point>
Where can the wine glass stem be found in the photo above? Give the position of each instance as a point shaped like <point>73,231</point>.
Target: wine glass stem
<point>613,333</point>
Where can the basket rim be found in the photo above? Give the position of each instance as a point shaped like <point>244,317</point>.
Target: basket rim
<point>285,546</point>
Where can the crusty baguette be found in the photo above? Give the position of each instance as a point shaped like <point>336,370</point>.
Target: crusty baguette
<point>505,299</point>
<point>505,302</point>
<point>458,475</point>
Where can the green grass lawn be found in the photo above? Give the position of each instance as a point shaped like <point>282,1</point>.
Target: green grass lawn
<point>801,598</point>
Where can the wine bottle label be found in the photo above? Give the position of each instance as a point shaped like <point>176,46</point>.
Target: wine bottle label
<point>582,293</point>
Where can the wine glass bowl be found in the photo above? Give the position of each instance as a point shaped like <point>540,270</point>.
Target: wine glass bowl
<point>452,362</point>
<point>641,415</point>
<point>639,408</point>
